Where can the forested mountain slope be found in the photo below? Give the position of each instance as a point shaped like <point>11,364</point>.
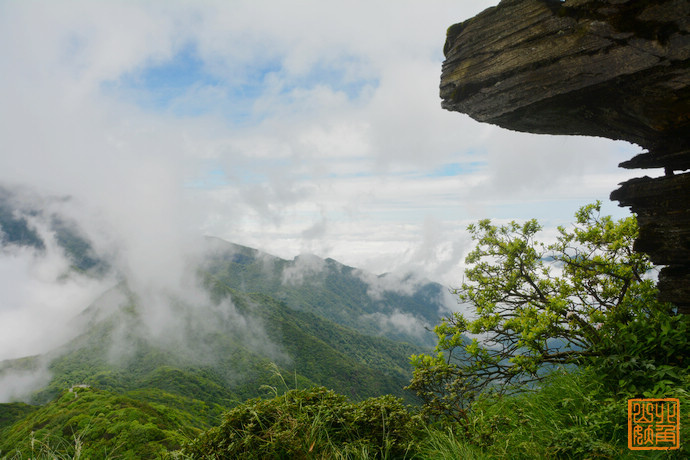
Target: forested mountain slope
<point>397,307</point>
<point>162,362</point>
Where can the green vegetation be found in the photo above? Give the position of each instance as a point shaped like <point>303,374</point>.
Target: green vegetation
<point>313,423</point>
<point>583,300</point>
<point>570,415</point>
<point>212,360</point>
<point>564,334</point>
<point>326,288</point>
<point>12,412</point>
<point>89,423</point>
<point>569,331</point>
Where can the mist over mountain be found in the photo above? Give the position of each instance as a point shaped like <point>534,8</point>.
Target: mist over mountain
<point>20,221</point>
<point>398,307</point>
<point>214,327</point>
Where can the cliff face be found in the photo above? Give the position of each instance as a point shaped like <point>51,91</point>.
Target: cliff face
<point>611,68</point>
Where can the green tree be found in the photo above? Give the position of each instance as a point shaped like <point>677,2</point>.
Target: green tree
<point>536,306</point>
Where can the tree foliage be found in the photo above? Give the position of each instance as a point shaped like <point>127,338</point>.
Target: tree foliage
<point>537,306</point>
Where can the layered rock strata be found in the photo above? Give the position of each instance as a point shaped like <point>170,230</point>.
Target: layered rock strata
<point>611,68</point>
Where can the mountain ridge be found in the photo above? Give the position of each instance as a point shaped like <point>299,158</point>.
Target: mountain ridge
<point>234,324</point>
<point>344,294</point>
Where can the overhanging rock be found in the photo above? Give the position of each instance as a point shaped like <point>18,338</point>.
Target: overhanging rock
<point>612,68</point>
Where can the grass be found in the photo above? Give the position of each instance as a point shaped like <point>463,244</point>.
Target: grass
<point>443,443</point>
<point>571,416</point>
<point>51,448</point>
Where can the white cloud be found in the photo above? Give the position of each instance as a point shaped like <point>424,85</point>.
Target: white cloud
<point>399,322</point>
<point>390,282</point>
<point>306,126</point>
<point>40,299</point>
<point>18,384</point>
<point>306,265</point>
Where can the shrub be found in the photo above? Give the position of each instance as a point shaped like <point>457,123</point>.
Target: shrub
<point>314,423</point>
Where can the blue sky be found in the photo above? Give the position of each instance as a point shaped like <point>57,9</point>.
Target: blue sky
<point>278,119</point>
<point>291,127</point>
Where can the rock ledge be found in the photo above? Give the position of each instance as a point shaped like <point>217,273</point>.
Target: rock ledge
<point>611,68</point>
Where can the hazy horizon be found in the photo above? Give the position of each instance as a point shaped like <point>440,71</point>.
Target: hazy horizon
<point>306,127</point>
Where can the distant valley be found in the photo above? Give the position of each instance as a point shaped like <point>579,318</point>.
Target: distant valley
<point>244,324</point>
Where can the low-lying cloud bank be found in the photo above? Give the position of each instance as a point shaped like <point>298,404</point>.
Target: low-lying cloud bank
<point>275,126</point>
<point>49,298</point>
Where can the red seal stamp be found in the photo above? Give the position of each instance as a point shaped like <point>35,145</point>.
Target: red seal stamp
<point>653,424</point>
